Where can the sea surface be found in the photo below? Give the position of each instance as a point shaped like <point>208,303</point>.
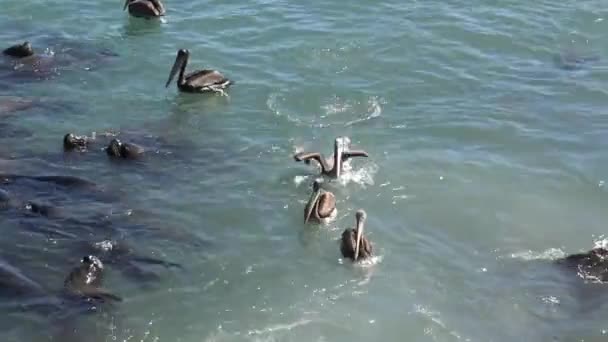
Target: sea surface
<point>486,124</point>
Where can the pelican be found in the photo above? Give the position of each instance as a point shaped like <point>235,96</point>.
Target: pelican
<point>198,81</point>
<point>354,245</point>
<point>19,50</point>
<point>321,206</point>
<point>329,167</point>
<point>145,8</point>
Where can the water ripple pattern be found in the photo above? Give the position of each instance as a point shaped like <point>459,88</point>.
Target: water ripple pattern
<point>486,127</point>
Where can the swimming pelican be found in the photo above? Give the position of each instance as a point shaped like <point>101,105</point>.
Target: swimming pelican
<point>354,245</point>
<point>198,81</point>
<point>329,167</point>
<point>321,206</point>
<point>145,8</point>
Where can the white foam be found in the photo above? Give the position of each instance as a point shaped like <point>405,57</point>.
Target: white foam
<point>600,242</point>
<point>369,262</point>
<point>279,327</point>
<point>549,254</point>
<point>297,180</point>
<point>374,110</point>
<point>363,176</point>
<point>336,112</point>
<point>337,107</point>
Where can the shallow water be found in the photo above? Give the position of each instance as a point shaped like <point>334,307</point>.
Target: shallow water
<point>487,162</point>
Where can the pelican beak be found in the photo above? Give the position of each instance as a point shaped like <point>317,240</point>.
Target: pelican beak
<point>126,4</point>
<point>178,63</point>
<point>359,227</point>
<point>313,202</point>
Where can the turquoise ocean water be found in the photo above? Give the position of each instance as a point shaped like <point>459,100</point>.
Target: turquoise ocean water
<point>487,143</point>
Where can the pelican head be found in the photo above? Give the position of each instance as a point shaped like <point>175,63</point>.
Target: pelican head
<point>313,201</point>
<point>180,60</point>
<point>360,218</point>
<point>20,50</point>
<point>115,148</point>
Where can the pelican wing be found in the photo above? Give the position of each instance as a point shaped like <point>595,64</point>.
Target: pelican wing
<point>207,79</point>
<point>353,153</point>
<point>366,249</point>
<point>348,242</point>
<point>304,156</point>
<point>307,156</point>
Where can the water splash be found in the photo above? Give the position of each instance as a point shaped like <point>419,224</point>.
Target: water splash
<point>335,110</point>
<point>549,254</point>
<point>298,180</point>
<point>374,110</point>
<point>363,176</point>
<point>369,262</point>
<point>279,327</point>
<point>600,242</point>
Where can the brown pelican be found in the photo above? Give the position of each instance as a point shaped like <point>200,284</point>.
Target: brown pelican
<point>329,167</point>
<point>145,8</point>
<point>321,206</point>
<point>198,81</point>
<point>19,50</point>
<point>116,148</point>
<point>354,245</point>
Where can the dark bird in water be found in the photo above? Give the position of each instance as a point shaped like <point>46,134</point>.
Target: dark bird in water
<point>145,8</point>
<point>19,50</point>
<point>354,245</point>
<point>75,142</point>
<point>127,260</point>
<point>321,206</point>
<point>198,81</point>
<point>591,264</point>
<point>332,167</point>
<point>86,280</point>
<point>116,148</point>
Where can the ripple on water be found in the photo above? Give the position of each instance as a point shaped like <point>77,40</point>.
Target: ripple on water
<point>308,109</point>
